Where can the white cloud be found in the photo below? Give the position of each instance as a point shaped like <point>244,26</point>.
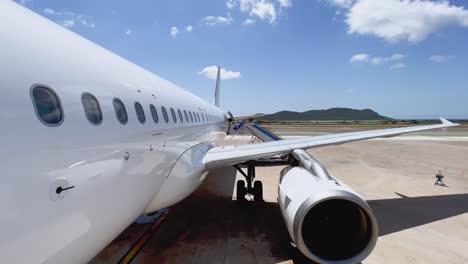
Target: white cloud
<point>248,21</point>
<point>128,32</point>
<point>216,20</point>
<point>398,66</point>
<point>211,72</point>
<point>85,21</point>
<point>230,4</point>
<point>266,10</point>
<point>382,60</point>
<point>397,56</point>
<point>189,28</point>
<point>48,11</point>
<point>70,19</point>
<point>174,31</point>
<point>263,9</point>
<point>409,20</point>
<point>342,3</point>
<point>52,12</point>
<point>246,5</point>
<point>285,3</point>
<point>440,58</point>
<point>24,2</point>
<point>359,58</point>
<point>366,58</point>
<point>66,23</point>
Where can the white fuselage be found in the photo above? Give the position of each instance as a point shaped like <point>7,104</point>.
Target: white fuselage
<point>119,171</point>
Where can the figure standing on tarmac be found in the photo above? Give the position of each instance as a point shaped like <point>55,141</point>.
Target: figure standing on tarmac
<point>439,178</point>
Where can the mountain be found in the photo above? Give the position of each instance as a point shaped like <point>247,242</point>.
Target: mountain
<point>341,114</point>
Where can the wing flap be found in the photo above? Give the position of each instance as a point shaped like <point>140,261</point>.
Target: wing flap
<point>228,155</point>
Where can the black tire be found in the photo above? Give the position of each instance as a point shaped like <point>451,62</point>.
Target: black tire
<point>258,191</point>
<point>241,191</point>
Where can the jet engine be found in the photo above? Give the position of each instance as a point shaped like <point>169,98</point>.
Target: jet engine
<point>328,221</point>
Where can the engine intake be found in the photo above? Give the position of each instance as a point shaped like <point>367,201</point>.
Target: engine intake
<point>328,221</point>
<point>326,233</point>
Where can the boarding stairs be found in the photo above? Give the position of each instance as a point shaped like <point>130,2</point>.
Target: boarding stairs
<point>258,132</point>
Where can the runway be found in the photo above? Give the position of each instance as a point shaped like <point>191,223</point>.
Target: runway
<point>419,222</point>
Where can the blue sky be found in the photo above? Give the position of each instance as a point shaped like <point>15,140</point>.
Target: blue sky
<point>402,58</point>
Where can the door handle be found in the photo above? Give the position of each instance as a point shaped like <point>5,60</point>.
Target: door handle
<point>60,189</point>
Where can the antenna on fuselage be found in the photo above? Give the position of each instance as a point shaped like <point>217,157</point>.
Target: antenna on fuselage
<point>217,90</point>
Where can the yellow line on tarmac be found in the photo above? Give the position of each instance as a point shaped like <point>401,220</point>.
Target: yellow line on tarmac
<point>135,249</point>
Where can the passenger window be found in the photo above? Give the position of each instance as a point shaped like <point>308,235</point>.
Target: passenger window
<point>154,113</point>
<point>91,108</point>
<point>140,112</point>
<point>47,105</point>
<point>181,118</point>
<point>120,111</point>
<point>164,111</point>
<point>198,117</point>
<point>191,116</point>
<point>203,117</point>
<point>186,116</point>
<point>174,117</point>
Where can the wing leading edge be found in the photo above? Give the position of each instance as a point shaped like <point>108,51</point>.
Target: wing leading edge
<point>228,155</point>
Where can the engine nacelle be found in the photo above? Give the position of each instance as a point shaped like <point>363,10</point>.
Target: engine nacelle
<point>327,220</point>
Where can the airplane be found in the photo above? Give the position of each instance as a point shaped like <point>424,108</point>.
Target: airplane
<point>91,141</point>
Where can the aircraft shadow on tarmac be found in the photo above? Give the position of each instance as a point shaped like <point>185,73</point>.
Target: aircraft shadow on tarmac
<point>399,214</point>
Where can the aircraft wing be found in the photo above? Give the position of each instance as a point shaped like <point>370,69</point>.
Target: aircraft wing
<point>229,155</point>
<point>247,118</point>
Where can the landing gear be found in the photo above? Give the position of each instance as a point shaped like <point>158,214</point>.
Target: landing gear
<point>258,191</point>
<point>241,189</point>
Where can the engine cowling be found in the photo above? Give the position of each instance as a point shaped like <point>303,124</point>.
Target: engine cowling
<point>328,221</point>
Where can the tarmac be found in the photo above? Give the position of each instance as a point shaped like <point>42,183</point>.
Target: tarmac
<point>419,222</point>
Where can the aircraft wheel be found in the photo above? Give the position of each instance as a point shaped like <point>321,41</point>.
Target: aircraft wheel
<point>258,191</point>
<point>241,191</point>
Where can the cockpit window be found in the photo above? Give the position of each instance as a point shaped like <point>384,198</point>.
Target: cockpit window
<point>47,105</point>
<point>91,108</point>
<point>154,113</point>
<point>140,112</point>
<point>120,111</point>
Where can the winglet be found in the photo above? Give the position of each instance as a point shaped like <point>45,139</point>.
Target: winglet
<point>217,90</point>
<point>445,121</point>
